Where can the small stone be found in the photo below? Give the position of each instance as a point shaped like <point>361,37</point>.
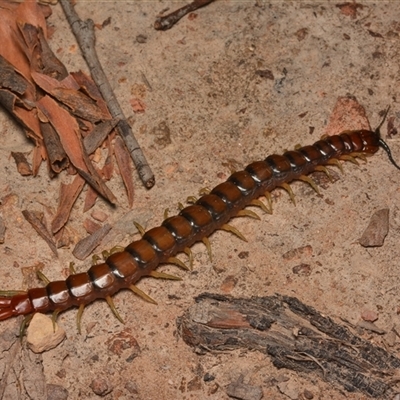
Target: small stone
<point>41,336</point>
<point>100,386</point>
<point>377,229</point>
<point>308,395</point>
<point>56,392</point>
<point>390,338</point>
<point>369,315</point>
<point>243,391</point>
<point>289,389</point>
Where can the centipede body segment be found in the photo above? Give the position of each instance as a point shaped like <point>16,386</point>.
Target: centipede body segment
<point>194,223</point>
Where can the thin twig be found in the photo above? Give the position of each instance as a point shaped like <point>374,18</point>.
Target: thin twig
<point>168,21</point>
<point>84,34</point>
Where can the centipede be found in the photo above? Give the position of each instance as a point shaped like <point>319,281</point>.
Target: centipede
<point>194,223</point>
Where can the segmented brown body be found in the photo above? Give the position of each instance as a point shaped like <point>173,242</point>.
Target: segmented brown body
<point>192,224</point>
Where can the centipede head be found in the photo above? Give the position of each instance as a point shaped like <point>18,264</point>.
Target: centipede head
<point>382,143</point>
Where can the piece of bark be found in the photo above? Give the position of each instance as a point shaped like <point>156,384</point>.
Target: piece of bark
<point>68,130</point>
<point>35,219</point>
<point>84,33</point>
<point>57,157</point>
<point>86,246</point>
<point>294,335</point>
<point>23,166</point>
<point>2,230</point>
<point>125,169</point>
<point>377,229</point>
<point>92,141</point>
<point>68,195</point>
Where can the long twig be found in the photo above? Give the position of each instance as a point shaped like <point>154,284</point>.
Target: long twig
<point>84,33</point>
<point>168,21</point>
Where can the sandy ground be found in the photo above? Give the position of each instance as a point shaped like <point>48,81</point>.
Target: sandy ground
<point>207,110</point>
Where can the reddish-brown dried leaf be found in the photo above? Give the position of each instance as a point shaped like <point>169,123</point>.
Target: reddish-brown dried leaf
<point>68,195</point>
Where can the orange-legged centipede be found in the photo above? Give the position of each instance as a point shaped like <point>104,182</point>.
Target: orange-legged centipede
<point>194,223</point>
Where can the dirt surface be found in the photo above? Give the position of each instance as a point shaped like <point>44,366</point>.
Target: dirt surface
<point>233,83</point>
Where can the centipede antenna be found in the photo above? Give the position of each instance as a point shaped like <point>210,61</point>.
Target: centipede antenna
<point>385,147</point>
<point>377,130</point>
<point>111,304</point>
<point>79,317</point>
<point>382,143</point>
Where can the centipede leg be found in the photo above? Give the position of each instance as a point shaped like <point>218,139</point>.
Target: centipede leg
<point>259,203</point>
<point>308,180</point>
<point>208,246</point>
<point>232,229</point>
<point>337,163</point>
<point>287,187</point>
<point>25,322</point>
<point>189,253</point>
<point>139,228</point>
<point>321,168</point>
<point>142,294</point>
<point>111,304</point>
<point>163,275</point>
<point>178,262</point>
<point>79,317</point>
<point>347,157</point>
<point>54,319</point>
<point>42,277</point>
<point>247,213</point>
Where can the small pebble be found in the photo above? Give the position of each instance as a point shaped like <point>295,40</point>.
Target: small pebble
<point>100,386</point>
<point>41,335</point>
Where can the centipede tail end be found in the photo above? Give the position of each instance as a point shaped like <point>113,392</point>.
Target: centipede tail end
<point>12,305</point>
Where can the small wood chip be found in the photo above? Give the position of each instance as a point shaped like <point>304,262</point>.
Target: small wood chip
<point>86,246</point>
<point>23,166</point>
<point>2,230</point>
<point>41,335</point>
<point>378,228</point>
<point>35,218</point>
<point>370,326</point>
<point>242,391</point>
